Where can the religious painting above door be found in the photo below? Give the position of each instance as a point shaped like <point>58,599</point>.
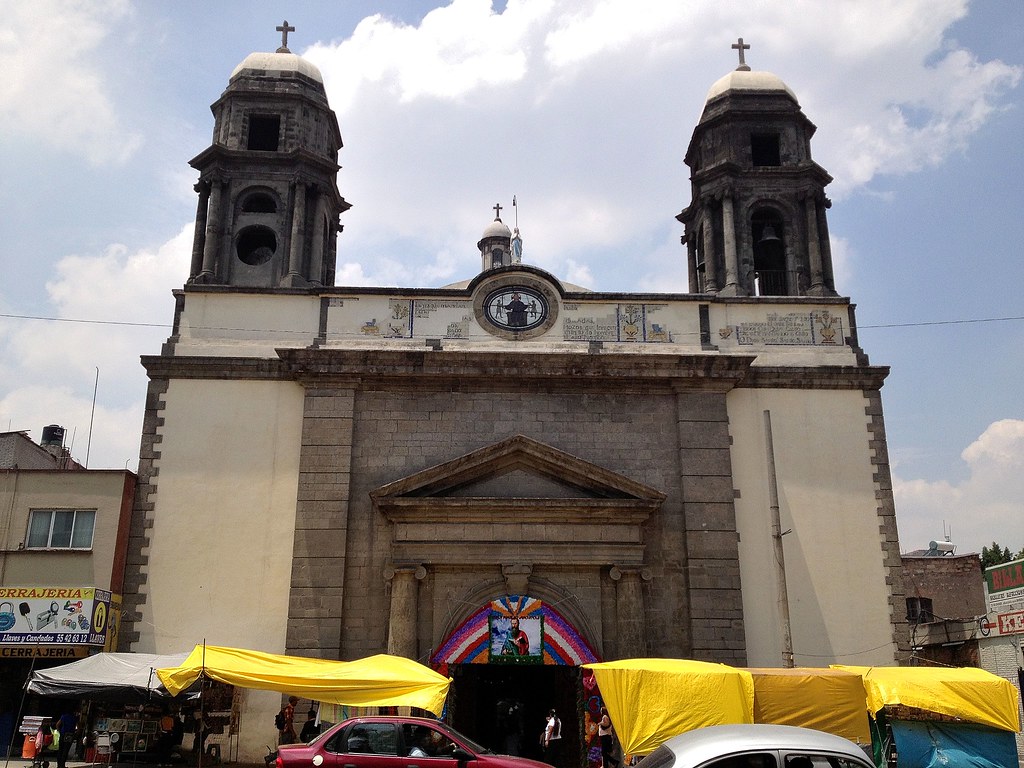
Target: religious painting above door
<point>489,636</point>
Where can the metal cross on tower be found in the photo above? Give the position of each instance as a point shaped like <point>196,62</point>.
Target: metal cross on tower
<point>740,46</point>
<point>497,211</point>
<point>284,29</point>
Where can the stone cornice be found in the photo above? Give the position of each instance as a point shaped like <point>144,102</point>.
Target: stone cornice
<point>510,371</point>
<point>816,377</point>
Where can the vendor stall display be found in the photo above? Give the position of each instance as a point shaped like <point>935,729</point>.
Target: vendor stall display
<point>650,700</point>
<point>928,717</point>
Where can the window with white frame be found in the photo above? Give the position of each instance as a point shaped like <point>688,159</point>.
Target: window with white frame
<point>60,528</point>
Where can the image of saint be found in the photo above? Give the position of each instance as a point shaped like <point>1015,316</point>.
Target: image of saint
<point>517,643</point>
<point>516,311</point>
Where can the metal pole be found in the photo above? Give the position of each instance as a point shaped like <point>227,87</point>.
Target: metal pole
<point>92,413</point>
<point>782,595</point>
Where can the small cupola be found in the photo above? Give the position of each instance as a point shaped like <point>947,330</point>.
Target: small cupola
<point>496,244</point>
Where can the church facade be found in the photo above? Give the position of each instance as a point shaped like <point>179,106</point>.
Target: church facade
<point>508,477</point>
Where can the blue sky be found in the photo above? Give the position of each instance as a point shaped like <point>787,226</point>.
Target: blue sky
<point>581,109</point>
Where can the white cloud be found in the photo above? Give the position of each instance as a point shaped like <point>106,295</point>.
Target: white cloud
<point>585,109</point>
<point>55,90</point>
<point>51,365</point>
<point>987,506</point>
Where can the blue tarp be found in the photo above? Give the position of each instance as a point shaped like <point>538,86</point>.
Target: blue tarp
<point>941,745</point>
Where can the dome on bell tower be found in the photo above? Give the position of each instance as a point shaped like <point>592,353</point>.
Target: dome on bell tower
<point>277,65</point>
<point>750,81</point>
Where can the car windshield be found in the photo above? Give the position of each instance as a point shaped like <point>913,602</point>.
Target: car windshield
<point>472,745</point>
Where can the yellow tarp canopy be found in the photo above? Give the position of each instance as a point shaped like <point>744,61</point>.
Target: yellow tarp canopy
<point>968,693</point>
<point>831,700</point>
<point>375,681</point>
<point>651,700</point>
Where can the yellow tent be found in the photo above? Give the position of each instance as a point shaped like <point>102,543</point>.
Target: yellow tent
<point>967,693</point>
<point>375,681</point>
<point>651,700</point>
<point>830,700</point>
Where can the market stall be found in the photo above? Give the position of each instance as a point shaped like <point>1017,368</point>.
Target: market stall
<point>831,700</point>
<point>380,680</point>
<point>651,700</point>
<point>927,717</point>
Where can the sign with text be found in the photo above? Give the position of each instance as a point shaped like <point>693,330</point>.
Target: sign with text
<point>1004,585</point>
<point>36,616</point>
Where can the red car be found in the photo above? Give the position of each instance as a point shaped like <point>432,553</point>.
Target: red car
<point>394,742</point>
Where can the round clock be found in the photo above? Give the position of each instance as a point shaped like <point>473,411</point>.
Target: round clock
<point>515,308</point>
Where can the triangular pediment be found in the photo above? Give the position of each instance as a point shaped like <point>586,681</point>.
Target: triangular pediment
<point>517,468</point>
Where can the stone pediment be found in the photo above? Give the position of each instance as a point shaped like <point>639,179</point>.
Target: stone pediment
<point>521,476</point>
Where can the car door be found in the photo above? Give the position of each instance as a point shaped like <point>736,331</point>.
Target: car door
<point>363,745</point>
<point>426,747</point>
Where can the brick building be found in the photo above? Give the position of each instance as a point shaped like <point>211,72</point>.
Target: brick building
<point>510,476</point>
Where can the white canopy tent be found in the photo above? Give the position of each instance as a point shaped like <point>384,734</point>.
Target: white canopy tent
<point>107,677</point>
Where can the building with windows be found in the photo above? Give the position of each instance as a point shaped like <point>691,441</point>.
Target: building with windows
<point>63,544</point>
<point>511,476</point>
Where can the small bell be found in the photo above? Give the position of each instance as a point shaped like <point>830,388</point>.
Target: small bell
<point>768,235</point>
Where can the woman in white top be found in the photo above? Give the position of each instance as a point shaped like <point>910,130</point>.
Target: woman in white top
<point>604,733</point>
<point>553,739</point>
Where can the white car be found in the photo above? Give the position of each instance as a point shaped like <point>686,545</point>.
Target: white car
<point>757,746</point>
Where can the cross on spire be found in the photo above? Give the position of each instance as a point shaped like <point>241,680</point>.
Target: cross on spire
<point>740,46</point>
<point>284,29</point>
<point>497,211</point>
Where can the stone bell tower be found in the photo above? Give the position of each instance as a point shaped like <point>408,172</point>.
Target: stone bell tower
<point>756,222</point>
<point>268,196</point>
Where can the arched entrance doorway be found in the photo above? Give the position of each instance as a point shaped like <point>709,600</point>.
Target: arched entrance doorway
<point>511,661</point>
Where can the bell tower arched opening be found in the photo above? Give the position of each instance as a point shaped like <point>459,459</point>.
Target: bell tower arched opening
<point>768,237</point>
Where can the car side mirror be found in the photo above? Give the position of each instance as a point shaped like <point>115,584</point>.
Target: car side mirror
<point>462,755</point>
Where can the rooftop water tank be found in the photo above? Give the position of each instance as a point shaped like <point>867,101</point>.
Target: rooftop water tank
<point>52,435</point>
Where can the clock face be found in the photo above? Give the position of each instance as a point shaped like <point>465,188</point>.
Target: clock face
<point>516,308</point>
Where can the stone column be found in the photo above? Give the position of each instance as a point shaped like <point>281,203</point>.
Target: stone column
<point>213,233</point>
<point>199,238</point>
<point>828,278</point>
<point>732,266</point>
<point>295,276</point>
<point>629,610</point>
<point>690,242</point>
<point>710,271</point>
<point>814,248</point>
<point>402,618</point>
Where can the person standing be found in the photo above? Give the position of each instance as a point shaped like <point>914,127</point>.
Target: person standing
<point>605,734</point>
<point>553,740</point>
<point>200,730</point>
<point>67,727</point>
<point>310,729</point>
<point>286,734</point>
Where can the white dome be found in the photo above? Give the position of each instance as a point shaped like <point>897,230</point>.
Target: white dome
<point>279,62</point>
<point>496,229</point>
<point>748,80</point>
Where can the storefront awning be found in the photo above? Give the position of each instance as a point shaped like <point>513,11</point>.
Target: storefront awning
<point>651,700</point>
<point>107,677</point>
<point>375,681</point>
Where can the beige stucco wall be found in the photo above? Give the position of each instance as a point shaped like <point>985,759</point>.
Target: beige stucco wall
<point>221,541</point>
<point>24,490</point>
<point>229,324</point>
<point>839,606</point>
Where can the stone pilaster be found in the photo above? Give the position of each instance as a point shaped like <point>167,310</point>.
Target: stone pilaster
<point>402,617</point>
